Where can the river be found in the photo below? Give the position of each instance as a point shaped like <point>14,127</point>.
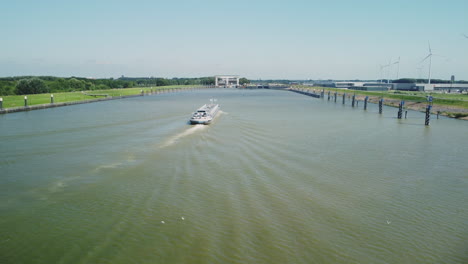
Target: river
<point>278,177</point>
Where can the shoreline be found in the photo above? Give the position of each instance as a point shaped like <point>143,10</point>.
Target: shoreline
<point>52,105</point>
<point>444,110</point>
<point>145,92</point>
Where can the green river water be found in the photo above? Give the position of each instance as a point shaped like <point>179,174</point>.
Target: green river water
<point>278,177</point>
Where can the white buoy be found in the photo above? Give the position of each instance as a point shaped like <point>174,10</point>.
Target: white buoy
<point>162,222</point>
<point>182,218</point>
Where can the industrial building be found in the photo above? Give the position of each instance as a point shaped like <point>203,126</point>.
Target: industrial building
<point>227,81</point>
<point>356,85</point>
<point>378,86</point>
<point>448,87</point>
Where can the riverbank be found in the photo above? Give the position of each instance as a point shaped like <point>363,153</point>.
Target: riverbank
<point>18,103</point>
<point>453,106</point>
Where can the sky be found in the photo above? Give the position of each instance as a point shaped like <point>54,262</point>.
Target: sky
<point>256,39</point>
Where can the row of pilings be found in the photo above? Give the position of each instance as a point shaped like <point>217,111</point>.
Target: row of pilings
<point>355,102</point>
<point>105,97</point>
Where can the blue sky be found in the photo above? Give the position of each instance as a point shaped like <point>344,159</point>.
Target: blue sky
<point>257,39</point>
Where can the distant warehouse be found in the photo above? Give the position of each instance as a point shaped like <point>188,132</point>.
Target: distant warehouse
<point>378,86</point>
<point>355,85</point>
<point>455,87</point>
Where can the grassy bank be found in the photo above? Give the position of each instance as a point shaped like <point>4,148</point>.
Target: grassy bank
<point>451,100</point>
<point>36,99</point>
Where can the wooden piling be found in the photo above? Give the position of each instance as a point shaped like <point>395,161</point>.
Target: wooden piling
<point>428,115</point>
<point>380,105</point>
<point>365,102</point>
<point>344,98</point>
<point>400,109</point>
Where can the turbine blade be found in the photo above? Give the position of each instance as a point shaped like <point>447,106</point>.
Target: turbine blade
<point>430,51</point>
<point>425,58</point>
<point>466,36</point>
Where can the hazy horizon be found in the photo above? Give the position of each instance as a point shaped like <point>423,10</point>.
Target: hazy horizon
<point>259,79</point>
<point>299,40</point>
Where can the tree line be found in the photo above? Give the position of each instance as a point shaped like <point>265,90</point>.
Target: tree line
<point>49,84</point>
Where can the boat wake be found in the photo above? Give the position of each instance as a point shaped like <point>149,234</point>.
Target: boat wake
<point>192,130</point>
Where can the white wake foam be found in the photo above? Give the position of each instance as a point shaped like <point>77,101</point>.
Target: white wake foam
<point>193,129</point>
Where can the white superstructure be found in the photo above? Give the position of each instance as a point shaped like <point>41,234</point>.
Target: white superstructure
<point>205,114</point>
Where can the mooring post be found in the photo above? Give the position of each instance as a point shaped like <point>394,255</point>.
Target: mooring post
<point>25,101</point>
<point>428,115</point>
<point>400,109</point>
<point>365,102</point>
<point>1,103</point>
<point>51,98</point>
<point>336,95</point>
<point>406,113</point>
<point>344,97</point>
<point>328,95</point>
<point>354,100</point>
<point>438,113</point>
<point>380,105</point>
<point>322,94</point>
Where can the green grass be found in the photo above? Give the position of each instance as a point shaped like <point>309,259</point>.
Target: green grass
<point>458,100</point>
<point>35,99</point>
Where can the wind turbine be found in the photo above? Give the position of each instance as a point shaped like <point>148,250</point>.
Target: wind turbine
<point>389,65</point>
<point>430,62</point>
<point>398,68</point>
<point>419,71</point>
<point>381,71</point>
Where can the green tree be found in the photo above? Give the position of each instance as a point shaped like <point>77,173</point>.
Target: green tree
<point>161,82</point>
<point>7,88</point>
<point>102,87</point>
<point>243,81</point>
<point>76,85</point>
<point>31,86</point>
